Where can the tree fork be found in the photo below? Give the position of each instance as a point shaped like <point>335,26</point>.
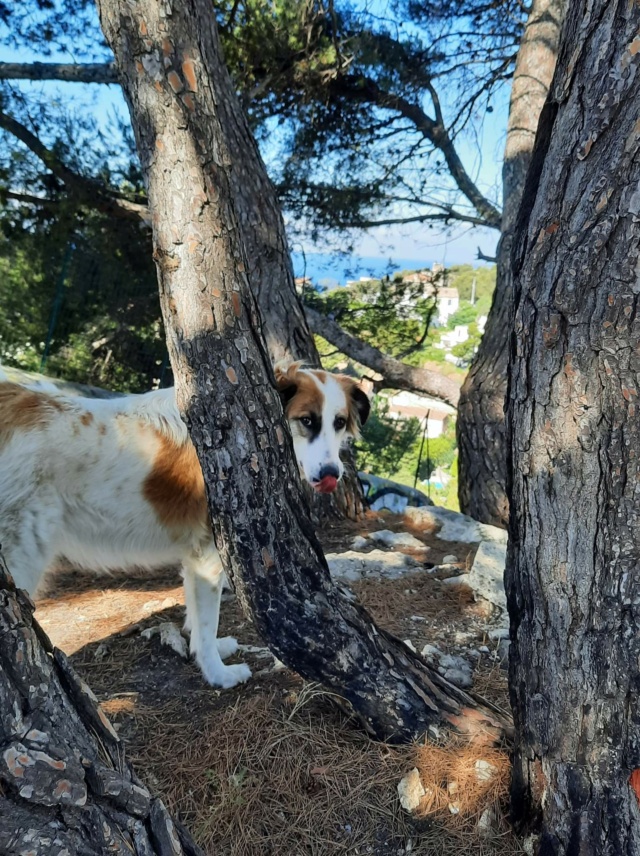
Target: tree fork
<point>170,67</point>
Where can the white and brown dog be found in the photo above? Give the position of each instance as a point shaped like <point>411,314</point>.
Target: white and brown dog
<point>116,483</point>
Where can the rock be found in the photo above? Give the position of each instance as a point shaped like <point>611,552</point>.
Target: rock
<point>454,526</point>
<point>499,633</point>
<point>486,578</point>
<point>169,635</point>
<point>459,678</point>
<point>483,649</point>
<point>430,652</point>
<point>454,808</point>
<point>411,790</point>
<point>359,543</point>
<point>487,823</point>
<point>396,540</point>
<point>450,560</point>
<point>410,645</point>
<point>460,580</point>
<point>378,563</point>
<point>485,770</point>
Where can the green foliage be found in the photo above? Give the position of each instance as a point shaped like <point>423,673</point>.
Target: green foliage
<point>466,350</point>
<point>97,276</point>
<point>466,314</point>
<point>385,441</point>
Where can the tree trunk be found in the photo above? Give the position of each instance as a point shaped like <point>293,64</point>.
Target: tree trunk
<point>65,785</point>
<point>174,80</point>
<point>573,585</point>
<point>481,431</point>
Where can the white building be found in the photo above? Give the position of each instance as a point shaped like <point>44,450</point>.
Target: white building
<point>404,405</point>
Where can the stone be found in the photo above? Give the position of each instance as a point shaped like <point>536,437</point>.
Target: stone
<point>499,633</point>
<point>169,635</point>
<point>454,526</point>
<point>397,540</point>
<point>353,566</point>
<point>487,823</point>
<point>460,580</point>
<point>459,678</point>
<point>359,543</point>
<point>486,578</point>
<point>450,560</point>
<point>485,770</point>
<point>411,790</point>
<point>410,645</point>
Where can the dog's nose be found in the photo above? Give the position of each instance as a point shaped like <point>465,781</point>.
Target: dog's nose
<point>329,470</point>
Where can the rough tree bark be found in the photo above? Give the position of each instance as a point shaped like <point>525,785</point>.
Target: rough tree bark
<point>480,426</point>
<point>65,785</point>
<point>573,584</point>
<point>171,69</point>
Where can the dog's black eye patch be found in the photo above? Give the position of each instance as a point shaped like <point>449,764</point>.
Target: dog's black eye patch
<point>312,423</point>
<point>339,423</point>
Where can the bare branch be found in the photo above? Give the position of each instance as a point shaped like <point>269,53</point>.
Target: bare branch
<point>95,72</point>
<point>364,89</point>
<point>85,190</point>
<point>484,258</point>
<point>395,374</point>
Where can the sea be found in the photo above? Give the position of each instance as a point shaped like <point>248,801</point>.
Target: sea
<point>330,270</point>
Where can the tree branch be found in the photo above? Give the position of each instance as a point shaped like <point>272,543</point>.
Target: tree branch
<point>96,72</point>
<point>484,258</point>
<point>395,374</point>
<point>85,190</point>
<point>365,89</point>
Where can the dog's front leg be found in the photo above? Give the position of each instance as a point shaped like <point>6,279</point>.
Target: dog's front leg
<point>203,583</point>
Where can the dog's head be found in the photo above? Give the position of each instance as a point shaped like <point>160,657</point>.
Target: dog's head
<point>324,411</point>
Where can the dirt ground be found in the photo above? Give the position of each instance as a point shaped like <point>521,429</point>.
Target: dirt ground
<point>274,766</point>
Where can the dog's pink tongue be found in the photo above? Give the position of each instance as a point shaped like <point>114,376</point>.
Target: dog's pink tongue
<point>327,485</point>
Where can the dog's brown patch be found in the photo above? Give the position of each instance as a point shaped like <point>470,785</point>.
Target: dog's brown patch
<point>26,409</point>
<point>356,402</point>
<point>86,418</point>
<point>308,398</point>
<point>175,486</point>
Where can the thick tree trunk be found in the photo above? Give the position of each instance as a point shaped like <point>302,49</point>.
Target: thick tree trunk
<point>174,80</point>
<point>65,785</point>
<point>480,426</point>
<point>573,585</point>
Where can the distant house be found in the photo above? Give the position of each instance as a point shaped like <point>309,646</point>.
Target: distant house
<point>405,405</point>
<point>447,302</point>
<point>457,336</point>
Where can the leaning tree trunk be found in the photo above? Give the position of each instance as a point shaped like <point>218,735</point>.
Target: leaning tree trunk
<point>170,65</point>
<point>482,447</point>
<point>65,785</point>
<point>573,584</point>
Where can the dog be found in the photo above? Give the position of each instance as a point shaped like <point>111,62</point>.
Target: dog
<point>116,483</point>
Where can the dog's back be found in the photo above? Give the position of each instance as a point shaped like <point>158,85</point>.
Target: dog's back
<point>104,483</point>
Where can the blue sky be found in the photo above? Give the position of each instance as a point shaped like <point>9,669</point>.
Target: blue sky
<point>482,157</point>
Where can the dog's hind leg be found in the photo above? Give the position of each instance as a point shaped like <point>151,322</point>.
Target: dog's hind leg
<point>203,581</point>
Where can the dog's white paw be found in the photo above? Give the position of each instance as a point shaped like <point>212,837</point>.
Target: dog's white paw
<point>226,676</point>
<point>227,646</point>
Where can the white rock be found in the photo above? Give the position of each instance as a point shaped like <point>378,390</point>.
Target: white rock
<point>455,526</point>
<point>378,563</point>
<point>410,645</point>
<point>411,790</point>
<point>486,577</point>
<point>450,560</point>
<point>483,649</point>
<point>429,652</point>
<point>460,580</point>
<point>459,678</point>
<point>499,633</point>
<point>169,635</point>
<point>487,823</point>
<point>359,543</point>
<point>485,770</point>
<point>395,540</point>
<point>454,808</point>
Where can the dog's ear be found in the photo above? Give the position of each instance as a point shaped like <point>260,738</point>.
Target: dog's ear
<point>286,381</point>
<point>361,403</point>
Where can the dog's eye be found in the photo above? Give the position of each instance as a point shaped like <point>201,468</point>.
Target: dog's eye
<point>306,421</point>
<point>339,423</point>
